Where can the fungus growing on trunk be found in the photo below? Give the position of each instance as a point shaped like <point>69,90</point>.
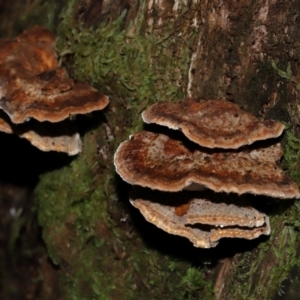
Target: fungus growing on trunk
<point>50,96</point>
<point>32,86</point>
<point>206,222</point>
<point>59,137</point>
<point>160,162</point>
<point>212,123</point>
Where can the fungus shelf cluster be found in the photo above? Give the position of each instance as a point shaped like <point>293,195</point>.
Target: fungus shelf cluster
<point>33,86</point>
<point>213,153</point>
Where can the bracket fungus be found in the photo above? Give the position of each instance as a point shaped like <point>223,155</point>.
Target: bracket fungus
<point>59,137</point>
<point>223,220</point>
<point>32,86</point>
<point>213,123</point>
<point>159,162</point>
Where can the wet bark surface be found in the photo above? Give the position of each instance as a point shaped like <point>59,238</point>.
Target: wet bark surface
<point>217,50</point>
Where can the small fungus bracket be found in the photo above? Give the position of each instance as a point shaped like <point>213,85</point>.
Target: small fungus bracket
<point>59,137</point>
<point>225,221</point>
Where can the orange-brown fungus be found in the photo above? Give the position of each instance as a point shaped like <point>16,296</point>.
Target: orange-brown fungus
<point>32,86</point>
<point>224,220</point>
<point>212,123</point>
<point>159,162</point>
<point>182,209</point>
<point>32,51</point>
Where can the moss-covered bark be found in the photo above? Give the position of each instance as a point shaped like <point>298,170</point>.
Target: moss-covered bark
<point>140,52</point>
<point>88,226</point>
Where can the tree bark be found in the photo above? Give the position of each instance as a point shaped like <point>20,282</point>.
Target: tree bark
<point>140,52</point>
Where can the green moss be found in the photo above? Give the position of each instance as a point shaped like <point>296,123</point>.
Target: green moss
<point>287,74</point>
<point>135,69</point>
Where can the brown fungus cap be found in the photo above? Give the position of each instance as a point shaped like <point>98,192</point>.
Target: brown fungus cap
<point>31,85</point>
<point>212,123</point>
<point>60,137</point>
<point>7,47</point>
<point>226,220</point>
<point>36,34</point>
<point>52,97</point>
<point>32,51</point>
<point>159,162</point>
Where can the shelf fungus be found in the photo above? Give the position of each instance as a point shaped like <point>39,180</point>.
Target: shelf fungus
<point>212,123</point>
<point>160,162</point>
<point>33,86</point>
<point>216,156</point>
<point>204,222</point>
<point>59,137</point>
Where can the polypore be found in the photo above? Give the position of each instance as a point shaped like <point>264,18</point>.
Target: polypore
<point>159,162</point>
<point>220,219</point>
<point>212,123</point>
<point>32,86</point>
<point>163,163</point>
<point>59,137</point>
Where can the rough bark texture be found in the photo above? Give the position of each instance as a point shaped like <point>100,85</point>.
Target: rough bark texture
<point>140,52</point>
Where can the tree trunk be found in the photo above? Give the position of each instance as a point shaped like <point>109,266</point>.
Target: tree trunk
<point>138,53</point>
